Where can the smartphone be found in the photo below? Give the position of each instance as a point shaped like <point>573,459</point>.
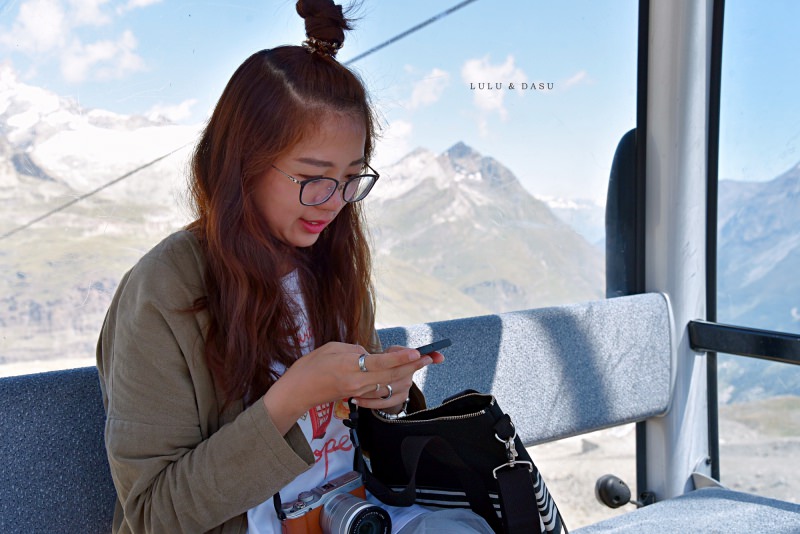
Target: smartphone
<point>436,345</point>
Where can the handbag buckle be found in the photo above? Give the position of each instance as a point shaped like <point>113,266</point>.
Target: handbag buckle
<point>511,453</point>
<point>512,464</point>
<point>511,449</point>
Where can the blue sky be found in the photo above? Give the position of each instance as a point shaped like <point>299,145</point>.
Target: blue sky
<point>173,58</point>
<point>760,115</point>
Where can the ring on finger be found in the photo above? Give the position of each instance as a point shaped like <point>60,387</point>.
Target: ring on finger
<point>362,362</point>
<point>388,395</point>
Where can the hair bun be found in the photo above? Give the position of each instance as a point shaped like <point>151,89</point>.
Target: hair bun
<point>324,20</point>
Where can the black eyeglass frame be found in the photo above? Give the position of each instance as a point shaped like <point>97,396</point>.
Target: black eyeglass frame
<point>340,186</point>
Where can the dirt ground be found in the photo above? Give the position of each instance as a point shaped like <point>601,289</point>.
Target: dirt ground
<point>571,467</point>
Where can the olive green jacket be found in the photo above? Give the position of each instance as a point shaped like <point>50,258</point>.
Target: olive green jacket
<point>180,463</point>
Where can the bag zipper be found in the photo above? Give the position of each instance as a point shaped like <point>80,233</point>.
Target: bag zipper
<point>443,418</point>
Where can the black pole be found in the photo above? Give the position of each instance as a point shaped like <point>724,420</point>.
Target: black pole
<point>642,488</point>
<point>712,192</point>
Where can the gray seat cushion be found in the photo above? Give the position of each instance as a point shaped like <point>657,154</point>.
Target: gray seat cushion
<point>53,465</point>
<point>705,510</point>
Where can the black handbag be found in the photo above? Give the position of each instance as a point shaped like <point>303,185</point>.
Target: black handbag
<point>464,453</point>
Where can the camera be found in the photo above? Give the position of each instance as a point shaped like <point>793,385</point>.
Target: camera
<point>336,507</point>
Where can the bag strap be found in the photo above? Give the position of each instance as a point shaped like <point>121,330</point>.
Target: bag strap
<point>521,486</point>
<point>548,511</point>
<point>516,498</point>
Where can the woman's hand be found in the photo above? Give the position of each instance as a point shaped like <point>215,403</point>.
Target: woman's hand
<point>332,372</point>
<point>400,389</point>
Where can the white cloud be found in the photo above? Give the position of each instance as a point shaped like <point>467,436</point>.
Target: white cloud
<point>429,89</point>
<point>489,101</point>
<point>174,113</point>
<point>107,59</point>
<point>41,26</point>
<point>580,77</point>
<point>44,25</point>
<point>136,4</point>
<point>394,143</point>
<point>49,29</point>
<point>87,12</point>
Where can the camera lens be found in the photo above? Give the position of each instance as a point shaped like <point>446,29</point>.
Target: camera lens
<point>347,514</point>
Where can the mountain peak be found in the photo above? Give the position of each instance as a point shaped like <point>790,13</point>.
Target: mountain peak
<point>467,164</point>
<point>463,160</point>
<point>461,151</point>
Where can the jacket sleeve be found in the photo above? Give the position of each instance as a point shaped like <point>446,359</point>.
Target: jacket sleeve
<point>175,466</point>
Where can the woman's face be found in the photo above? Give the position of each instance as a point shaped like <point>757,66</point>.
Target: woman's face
<point>334,150</point>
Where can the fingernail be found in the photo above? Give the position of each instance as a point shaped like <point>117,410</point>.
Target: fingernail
<point>428,360</point>
<point>414,356</point>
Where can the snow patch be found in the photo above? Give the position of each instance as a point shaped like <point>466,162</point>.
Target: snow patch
<point>468,177</point>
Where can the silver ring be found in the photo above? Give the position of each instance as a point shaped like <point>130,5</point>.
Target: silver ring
<point>389,387</point>
<point>362,363</point>
<point>377,388</point>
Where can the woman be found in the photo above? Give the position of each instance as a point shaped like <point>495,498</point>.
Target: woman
<point>229,349</point>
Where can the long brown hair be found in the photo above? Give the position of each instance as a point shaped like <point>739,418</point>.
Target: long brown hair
<point>273,99</point>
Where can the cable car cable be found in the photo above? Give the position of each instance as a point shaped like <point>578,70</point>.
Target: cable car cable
<point>409,31</point>
<point>87,195</point>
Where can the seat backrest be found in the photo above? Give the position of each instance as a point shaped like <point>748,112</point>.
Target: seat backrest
<point>557,371</point>
<point>53,466</point>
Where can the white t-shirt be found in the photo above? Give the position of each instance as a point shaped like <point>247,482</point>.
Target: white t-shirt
<point>329,439</point>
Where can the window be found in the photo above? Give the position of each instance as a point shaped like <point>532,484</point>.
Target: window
<point>759,242</point>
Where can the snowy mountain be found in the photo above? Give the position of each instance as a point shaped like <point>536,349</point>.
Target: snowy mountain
<point>59,134</point>
<point>52,151</point>
<point>465,220</point>
<point>59,273</point>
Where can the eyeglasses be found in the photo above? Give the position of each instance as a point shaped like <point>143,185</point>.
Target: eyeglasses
<point>316,191</point>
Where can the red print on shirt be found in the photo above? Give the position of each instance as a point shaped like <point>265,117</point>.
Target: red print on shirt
<point>320,419</point>
<point>331,446</point>
<point>304,337</point>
